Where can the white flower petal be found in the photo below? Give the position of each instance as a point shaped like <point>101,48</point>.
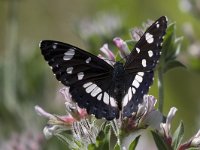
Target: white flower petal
<point>108,53</point>
<point>171,115</point>
<point>65,92</point>
<point>165,127</point>
<point>196,140</point>
<point>47,133</point>
<point>153,119</point>
<point>123,47</point>
<point>42,112</point>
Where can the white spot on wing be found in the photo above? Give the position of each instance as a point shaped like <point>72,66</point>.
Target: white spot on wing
<point>141,74</point>
<point>99,96</point>
<point>138,78</point>
<point>125,100</point>
<point>87,84</point>
<point>106,98</point>
<point>150,52</point>
<point>136,83</point>
<point>133,90</point>
<point>96,91</point>
<point>69,54</point>
<point>144,62</point>
<point>80,75</point>
<point>137,49</point>
<point>158,25</point>
<point>90,88</point>
<point>166,18</point>
<point>55,45</point>
<point>113,102</point>
<point>88,60</point>
<point>69,70</point>
<point>149,38</point>
<point>129,94</point>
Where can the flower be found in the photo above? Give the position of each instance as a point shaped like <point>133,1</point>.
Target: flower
<point>145,116</point>
<point>71,107</point>
<point>136,33</point>
<point>122,46</point>
<point>83,130</point>
<point>195,141</point>
<point>165,127</point>
<point>107,52</point>
<point>57,124</point>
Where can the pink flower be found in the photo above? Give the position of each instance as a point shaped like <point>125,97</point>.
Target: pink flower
<point>165,127</point>
<point>194,142</point>
<point>145,116</point>
<point>122,46</point>
<point>57,123</point>
<point>108,53</point>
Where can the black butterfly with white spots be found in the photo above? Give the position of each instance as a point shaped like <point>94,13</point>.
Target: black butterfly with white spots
<point>102,89</point>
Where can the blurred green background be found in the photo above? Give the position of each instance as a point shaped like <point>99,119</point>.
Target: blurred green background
<point>26,80</point>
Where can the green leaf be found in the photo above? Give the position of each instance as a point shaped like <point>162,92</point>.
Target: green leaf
<point>178,135</point>
<point>160,143</point>
<point>176,46</point>
<point>91,147</point>
<point>134,143</point>
<point>169,39</point>
<point>118,57</point>
<point>171,45</point>
<point>193,148</point>
<point>171,65</point>
<point>117,147</point>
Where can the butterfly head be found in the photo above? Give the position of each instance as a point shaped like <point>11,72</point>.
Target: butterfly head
<point>118,71</point>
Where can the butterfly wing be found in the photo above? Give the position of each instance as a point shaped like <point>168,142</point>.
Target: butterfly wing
<point>140,64</point>
<point>88,77</point>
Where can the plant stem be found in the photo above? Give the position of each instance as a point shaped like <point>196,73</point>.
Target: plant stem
<point>10,62</point>
<point>160,90</point>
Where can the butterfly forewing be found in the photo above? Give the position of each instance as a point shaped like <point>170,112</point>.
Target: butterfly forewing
<point>140,65</point>
<point>147,50</point>
<point>88,77</point>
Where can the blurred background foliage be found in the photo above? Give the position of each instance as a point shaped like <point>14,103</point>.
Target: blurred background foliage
<point>26,80</point>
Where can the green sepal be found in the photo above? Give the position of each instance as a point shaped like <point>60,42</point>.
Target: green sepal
<point>134,143</point>
<point>102,140</point>
<point>178,136</point>
<point>172,64</point>
<point>160,143</point>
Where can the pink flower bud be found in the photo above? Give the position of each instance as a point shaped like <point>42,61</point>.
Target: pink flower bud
<point>108,53</point>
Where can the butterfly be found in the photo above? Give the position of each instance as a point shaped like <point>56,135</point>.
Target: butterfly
<point>103,90</point>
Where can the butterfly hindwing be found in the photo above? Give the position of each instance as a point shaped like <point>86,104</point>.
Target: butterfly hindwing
<point>136,86</point>
<point>88,77</point>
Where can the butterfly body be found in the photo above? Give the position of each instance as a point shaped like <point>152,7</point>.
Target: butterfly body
<point>102,89</point>
<point>118,81</point>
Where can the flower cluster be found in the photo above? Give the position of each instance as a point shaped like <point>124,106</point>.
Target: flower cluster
<point>83,130</point>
